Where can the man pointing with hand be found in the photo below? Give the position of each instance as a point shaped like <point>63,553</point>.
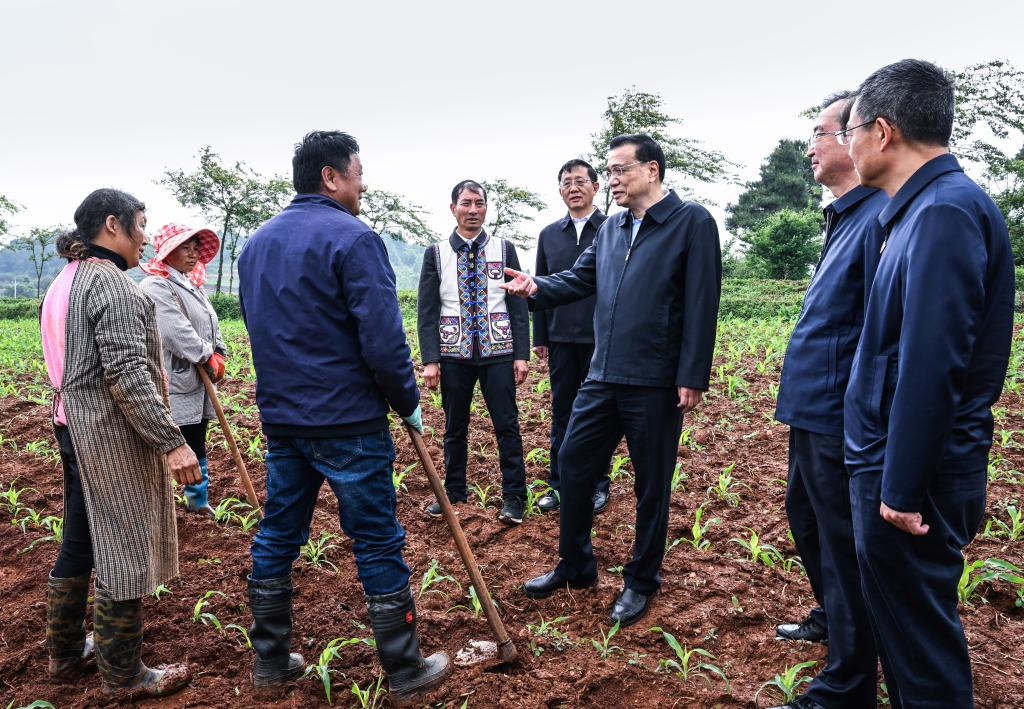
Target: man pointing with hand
<point>656,270</point>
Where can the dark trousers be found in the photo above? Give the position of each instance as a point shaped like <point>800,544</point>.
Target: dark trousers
<point>910,586</point>
<point>75,555</point>
<point>568,364</point>
<point>497,382</point>
<point>818,507</point>
<point>359,470</point>
<point>652,422</point>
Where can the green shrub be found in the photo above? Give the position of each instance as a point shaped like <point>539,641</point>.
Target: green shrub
<point>226,306</point>
<point>761,298</point>
<point>19,309</point>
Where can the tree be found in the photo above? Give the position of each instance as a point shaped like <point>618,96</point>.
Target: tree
<point>506,205</point>
<point>228,195</point>
<point>786,182</point>
<point>6,207</point>
<point>390,213</point>
<point>39,247</point>
<point>1010,200</point>
<point>272,198</point>
<point>786,242</point>
<point>636,111</point>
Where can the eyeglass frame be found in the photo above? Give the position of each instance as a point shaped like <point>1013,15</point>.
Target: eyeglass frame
<point>620,170</point>
<point>578,182</point>
<point>843,136</point>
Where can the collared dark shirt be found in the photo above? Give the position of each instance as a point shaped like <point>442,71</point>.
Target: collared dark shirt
<point>936,340</point>
<point>657,300</point>
<point>318,297</point>
<point>557,250</point>
<point>820,353</point>
<point>428,305</point>
<point>112,256</point>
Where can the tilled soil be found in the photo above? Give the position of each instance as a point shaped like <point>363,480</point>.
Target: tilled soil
<point>715,599</point>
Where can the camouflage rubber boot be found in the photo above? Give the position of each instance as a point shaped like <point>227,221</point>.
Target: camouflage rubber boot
<point>68,644</point>
<point>118,629</point>
<point>393,617</point>
<point>271,633</point>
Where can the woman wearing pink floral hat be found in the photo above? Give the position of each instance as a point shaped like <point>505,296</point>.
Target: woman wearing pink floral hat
<point>189,334</point>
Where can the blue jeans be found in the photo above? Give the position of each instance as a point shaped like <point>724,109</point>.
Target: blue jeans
<point>358,469</point>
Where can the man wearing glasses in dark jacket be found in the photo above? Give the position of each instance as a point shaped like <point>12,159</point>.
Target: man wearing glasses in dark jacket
<point>656,269</point>
<point>565,335</point>
<point>931,362</point>
<point>810,400</point>
<point>319,301</point>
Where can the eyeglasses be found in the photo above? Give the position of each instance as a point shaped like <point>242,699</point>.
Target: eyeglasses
<point>620,170</point>
<point>577,182</point>
<point>817,135</point>
<point>843,136</point>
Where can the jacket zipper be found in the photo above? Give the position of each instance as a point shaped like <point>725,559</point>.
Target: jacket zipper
<point>615,300</point>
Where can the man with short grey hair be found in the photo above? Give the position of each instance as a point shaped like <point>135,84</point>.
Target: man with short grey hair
<point>814,377</point>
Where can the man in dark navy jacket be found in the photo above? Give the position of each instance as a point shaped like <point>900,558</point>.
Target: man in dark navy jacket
<point>318,297</point>
<point>656,269</point>
<point>810,400</point>
<point>930,364</point>
<point>565,335</point>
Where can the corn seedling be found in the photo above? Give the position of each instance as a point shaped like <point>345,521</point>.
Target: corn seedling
<point>28,516</point>
<point>727,486</point>
<point>205,617</point>
<point>983,571</point>
<point>160,591</point>
<point>617,570</point>
<point>55,525</point>
<point>397,479</point>
<point>44,449</point>
<point>371,697</point>
<point>547,629</point>
<point>435,399</point>
<point>11,497</point>
<point>474,606</point>
<point>483,494</point>
<point>322,669</point>
<point>735,607</point>
<point>699,529</point>
<point>534,491</point>
<point>37,704</point>
<point>604,647</point>
<point>241,631</point>
<point>540,456</point>
<point>315,551</point>
<point>788,682</point>
<point>1013,531</point>
<point>617,471</point>
<point>686,438</point>
<point>227,508</point>
<point>542,386</point>
<point>678,476</point>
<point>435,575</point>
<point>762,553</point>
<point>688,661</point>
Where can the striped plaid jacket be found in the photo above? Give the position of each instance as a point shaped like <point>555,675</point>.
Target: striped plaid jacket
<point>115,400</point>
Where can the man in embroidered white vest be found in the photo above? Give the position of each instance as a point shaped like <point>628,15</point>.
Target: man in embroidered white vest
<point>469,331</point>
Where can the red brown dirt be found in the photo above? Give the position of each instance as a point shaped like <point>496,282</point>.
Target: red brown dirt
<point>696,602</point>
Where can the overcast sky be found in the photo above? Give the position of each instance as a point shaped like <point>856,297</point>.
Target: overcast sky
<point>104,93</point>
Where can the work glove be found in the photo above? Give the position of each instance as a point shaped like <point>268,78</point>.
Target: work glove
<point>215,366</point>
<point>415,419</point>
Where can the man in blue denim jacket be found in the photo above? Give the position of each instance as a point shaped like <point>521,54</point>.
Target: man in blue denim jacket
<point>931,362</point>
<point>318,297</point>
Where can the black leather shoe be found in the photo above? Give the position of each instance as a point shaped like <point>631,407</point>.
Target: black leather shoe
<point>801,702</point>
<point>629,607</point>
<point>808,630</point>
<point>600,502</point>
<point>545,585</point>
<point>549,501</point>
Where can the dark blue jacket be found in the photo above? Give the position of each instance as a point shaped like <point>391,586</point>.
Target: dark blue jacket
<point>657,300</point>
<point>318,297</point>
<point>936,338</point>
<point>820,353</point>
<point>557,250</point>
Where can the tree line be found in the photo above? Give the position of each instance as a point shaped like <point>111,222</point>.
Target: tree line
<point>775,225</point>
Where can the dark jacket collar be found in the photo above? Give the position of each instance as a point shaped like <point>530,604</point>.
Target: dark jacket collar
<point>854,197</point>
<point>595,219</point>
<point>459,244</point>
<point>658,212</point>
<point>317,198</point>
<point>103,253</point>
<point>925,175</point>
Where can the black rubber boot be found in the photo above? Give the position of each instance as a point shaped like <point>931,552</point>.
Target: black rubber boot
<point>271,632</point>
<point>393,618</point>
<point>118,630</point>
<point>66,640</point>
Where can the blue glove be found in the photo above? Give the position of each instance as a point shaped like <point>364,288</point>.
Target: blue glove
<point>415,419</point>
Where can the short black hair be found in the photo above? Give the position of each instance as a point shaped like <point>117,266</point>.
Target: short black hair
<point>847,96</point>
<point>471,185</point>
<point>573,164</point>
<point>647,149</point>
<point>318,149</point>
<point>90,217</point>
<point>914,95</point>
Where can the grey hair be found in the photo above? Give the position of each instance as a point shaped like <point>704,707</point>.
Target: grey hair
<point>914,95</point>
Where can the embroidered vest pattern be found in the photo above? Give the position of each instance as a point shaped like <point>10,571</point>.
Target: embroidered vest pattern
<point>481,317</point>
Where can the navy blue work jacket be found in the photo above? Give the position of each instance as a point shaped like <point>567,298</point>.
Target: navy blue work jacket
<point>820,353</point>
<point>557,250</point>
<point>936,337</point>
<point>657,300</point>
<point>318,297</point>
